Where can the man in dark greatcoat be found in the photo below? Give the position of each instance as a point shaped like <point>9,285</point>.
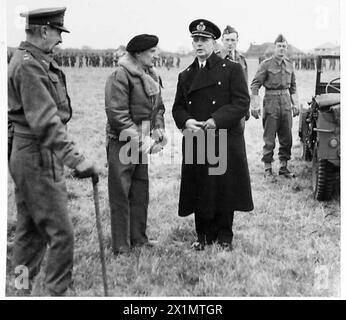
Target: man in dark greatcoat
<point>211,99</point>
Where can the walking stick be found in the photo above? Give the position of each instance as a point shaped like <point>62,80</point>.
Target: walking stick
<point>95,179</point>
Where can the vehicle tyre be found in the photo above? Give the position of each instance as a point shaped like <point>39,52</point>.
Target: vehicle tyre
<point>323,177</point>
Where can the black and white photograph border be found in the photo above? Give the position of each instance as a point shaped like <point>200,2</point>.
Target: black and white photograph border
<point>289,246</point>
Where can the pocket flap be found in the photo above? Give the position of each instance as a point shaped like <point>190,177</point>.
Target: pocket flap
<point>275,71</point>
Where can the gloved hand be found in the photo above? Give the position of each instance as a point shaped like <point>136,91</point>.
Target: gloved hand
<point>157,147</point>
<point>159,135</point>
<point>256,113</point>
<point>295,111</point>
<point>209,124</point>
<point>86,169</point>
<point>146,144</point>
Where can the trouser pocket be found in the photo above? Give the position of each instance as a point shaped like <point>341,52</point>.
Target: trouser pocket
<point>51,165</point>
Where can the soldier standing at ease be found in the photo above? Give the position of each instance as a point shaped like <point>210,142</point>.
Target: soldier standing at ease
<point>38,110</point>
<point>276,74</point>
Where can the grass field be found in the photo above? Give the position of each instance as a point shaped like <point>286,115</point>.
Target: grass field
<point>289,245</point>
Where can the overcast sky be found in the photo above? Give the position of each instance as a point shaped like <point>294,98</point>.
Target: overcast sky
<point>107,24</point>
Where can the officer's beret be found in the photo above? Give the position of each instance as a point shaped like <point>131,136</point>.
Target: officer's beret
<point>204,28</point>
<point>229,30</point>
<point>280,38</point>
<point>53,17</point>
<point>142,42</point>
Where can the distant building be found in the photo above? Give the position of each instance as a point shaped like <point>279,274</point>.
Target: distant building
<point>267,49</point>
<point>327,48</point>
<point>257,50</point>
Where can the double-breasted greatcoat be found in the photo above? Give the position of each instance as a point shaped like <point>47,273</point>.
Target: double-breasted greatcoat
<point>218,91</point>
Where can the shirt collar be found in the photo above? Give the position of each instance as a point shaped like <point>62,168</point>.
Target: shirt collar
<point>278,60</point>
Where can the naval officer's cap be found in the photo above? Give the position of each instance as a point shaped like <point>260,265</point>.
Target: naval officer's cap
<point>53,17</point>
<point>204,28</point>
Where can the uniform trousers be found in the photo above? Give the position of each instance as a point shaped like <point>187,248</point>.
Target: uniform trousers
<point>42,217</point>
<point>128,188</point>
<point>277,120</point>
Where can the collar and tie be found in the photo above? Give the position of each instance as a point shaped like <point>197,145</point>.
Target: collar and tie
<point>231,56</point>
<point>202,64</point>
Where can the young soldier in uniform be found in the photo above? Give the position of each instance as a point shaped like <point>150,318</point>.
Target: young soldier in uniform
<point>38,111</point>
<point>212,95</point>
<point>276,74</point>
<point>229,51</point>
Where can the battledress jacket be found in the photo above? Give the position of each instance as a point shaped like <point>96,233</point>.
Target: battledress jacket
<point>38,103</point>
<point>219,91</point>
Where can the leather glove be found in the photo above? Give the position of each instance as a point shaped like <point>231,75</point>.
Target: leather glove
<point>157,147</point>
<point>146,144</point>
<point>256,113</point>
<point>295,111</point>
<point>209,124</point>
<point>159,135</point>
<point>86,169</point>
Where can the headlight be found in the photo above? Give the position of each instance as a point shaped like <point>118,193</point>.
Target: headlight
<point>333,142</point>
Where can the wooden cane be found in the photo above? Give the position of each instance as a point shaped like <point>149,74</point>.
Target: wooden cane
<point>99,232</point>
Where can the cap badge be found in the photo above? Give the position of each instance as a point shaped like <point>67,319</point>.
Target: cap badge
<point>200,26</point>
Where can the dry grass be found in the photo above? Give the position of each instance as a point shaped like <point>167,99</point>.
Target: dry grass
<point>279,249</point>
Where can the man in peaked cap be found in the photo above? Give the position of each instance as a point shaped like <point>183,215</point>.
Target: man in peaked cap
<point>38,111</point>
<point>276,74</point>
<point>211,99</point>
<point>53,17</point>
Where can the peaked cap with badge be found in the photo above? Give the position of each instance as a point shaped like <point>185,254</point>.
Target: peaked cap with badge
<point>204,28</point>
<point>53,17</point>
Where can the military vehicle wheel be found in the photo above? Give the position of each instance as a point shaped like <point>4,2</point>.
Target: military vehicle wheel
<point>323,177</point>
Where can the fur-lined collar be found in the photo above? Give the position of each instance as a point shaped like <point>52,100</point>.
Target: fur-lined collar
<point>150,78</point>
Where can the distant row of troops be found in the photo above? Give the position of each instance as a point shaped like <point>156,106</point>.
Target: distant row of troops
<point>308,62</point>
<point>105,60</point>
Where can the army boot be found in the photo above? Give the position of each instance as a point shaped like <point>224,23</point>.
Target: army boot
<point>283,171</point>
<point>268,172</point>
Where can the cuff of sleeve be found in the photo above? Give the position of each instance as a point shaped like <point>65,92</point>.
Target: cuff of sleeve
<point>74,160</point>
